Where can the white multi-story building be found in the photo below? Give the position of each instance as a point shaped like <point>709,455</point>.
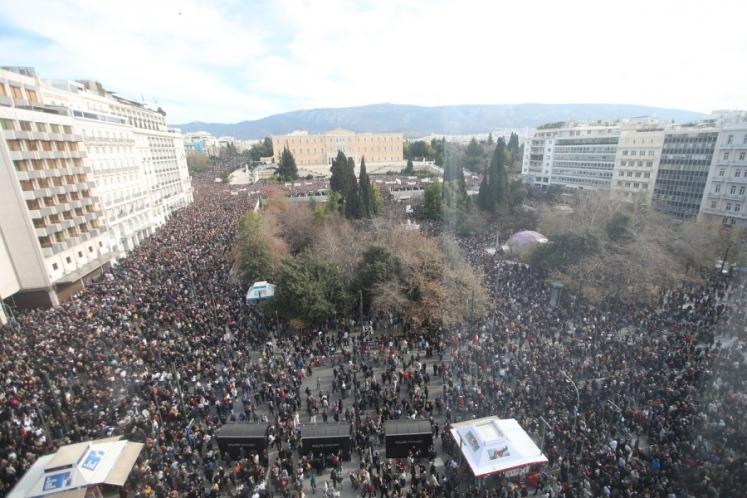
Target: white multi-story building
<point>725,197</point>
<point>51,224</point>
<point>96,174</point>
<point>637,160</point>
<point>572,154</point>
<point>201,142</point>
<point>115,164</point>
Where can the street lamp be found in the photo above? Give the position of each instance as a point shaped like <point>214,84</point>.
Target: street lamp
<point>578,397</point>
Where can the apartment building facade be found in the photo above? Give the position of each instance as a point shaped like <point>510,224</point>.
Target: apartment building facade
<point>162,155</point>
<point>572,154</point>
<point>51,224</point>
<point>637,161</point>
<point>686,156</point>
<point>113,160</point>
<point>318,151</point>
<point>89,174</point>
<point>725,197</point>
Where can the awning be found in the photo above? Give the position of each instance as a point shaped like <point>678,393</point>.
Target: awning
<point>124,464</point>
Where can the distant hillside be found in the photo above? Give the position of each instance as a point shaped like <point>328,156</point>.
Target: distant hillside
<point>418,121</point>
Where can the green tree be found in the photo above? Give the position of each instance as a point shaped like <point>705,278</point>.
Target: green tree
<point>334,202</point>
<point>339,181</point>
<point>197,163</point>
<point>490,138</point>
<point>254,255</point>
<point>483,195</point>
<point>261,149</point>
<point>513,143</point>
<point>474,159</point>
<point>517,193</point>
<point>287,169</point>
<point>378,267</point>
<point>367,207</point>
<point>352,198</point>
<point>310,290</point>
<point>494,194</point>
<point>563,251</point>
<point>432,200</point>
<point>378,199</point>
<point>409,169</point>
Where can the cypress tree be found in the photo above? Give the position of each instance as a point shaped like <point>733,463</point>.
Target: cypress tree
<point>366,193</point>
<point>287,169</point>
<point>352,195</point>
<point>497,177</point>
<point>338,180</point>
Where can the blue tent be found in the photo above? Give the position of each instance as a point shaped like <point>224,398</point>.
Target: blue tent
<point>260,291</point>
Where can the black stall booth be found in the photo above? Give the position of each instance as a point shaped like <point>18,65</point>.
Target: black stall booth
<point>403,436</point>
<point>235,439</point>
<point>326,439</point>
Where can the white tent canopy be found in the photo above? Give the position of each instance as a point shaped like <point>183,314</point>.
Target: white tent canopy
<point>77,467</point>
<point>492,445</point>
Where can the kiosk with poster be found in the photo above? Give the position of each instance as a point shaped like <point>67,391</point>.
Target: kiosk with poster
<point>405,436</point>
<point>496,446</point>
<point>326,439</point>
<point>239,440</point>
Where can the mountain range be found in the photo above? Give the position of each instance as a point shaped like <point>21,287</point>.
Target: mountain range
<point>416,121</point>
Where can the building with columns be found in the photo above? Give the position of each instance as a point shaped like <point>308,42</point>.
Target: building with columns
<point>315,153</point>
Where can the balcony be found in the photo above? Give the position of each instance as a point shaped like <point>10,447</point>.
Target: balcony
<point>17,134</point>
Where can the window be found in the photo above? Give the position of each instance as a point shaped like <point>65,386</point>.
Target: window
<point>721,172</point>
<point>647,175</point>
<point>741,190</point>
<point>2,90</point>
<point>90,248</point>
<point>726,156</point>
<point>717,189</point>
<point>741,156</point>
<point>730,139</point>
<point>632,152</point>
<point>733,190</point>
<point>15,91</point>
<point>25,126</point>
<point>737,207</point>
<point>649,164</point>
<point>80,254</point>
<point>31,94</point>
<point>7,124</point>
<point>737,173</point>
<point>728,206</point>
<point>68,260</point>
<point>651,153</point>
<point>713,204</point>
<point>54,266</point>
<point>625,153</point>
<point>623,163</point>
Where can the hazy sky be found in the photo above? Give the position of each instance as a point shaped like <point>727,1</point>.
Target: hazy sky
<point>233,60</point>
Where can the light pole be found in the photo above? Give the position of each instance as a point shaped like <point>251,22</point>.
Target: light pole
<point>578,397</point>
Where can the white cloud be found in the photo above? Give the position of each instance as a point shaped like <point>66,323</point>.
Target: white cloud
<point>231,60</point>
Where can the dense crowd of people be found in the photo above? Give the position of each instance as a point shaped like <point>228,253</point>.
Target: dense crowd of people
<point>627,401</point>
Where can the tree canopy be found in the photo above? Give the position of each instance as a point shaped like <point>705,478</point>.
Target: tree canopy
<point>287,169</point>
